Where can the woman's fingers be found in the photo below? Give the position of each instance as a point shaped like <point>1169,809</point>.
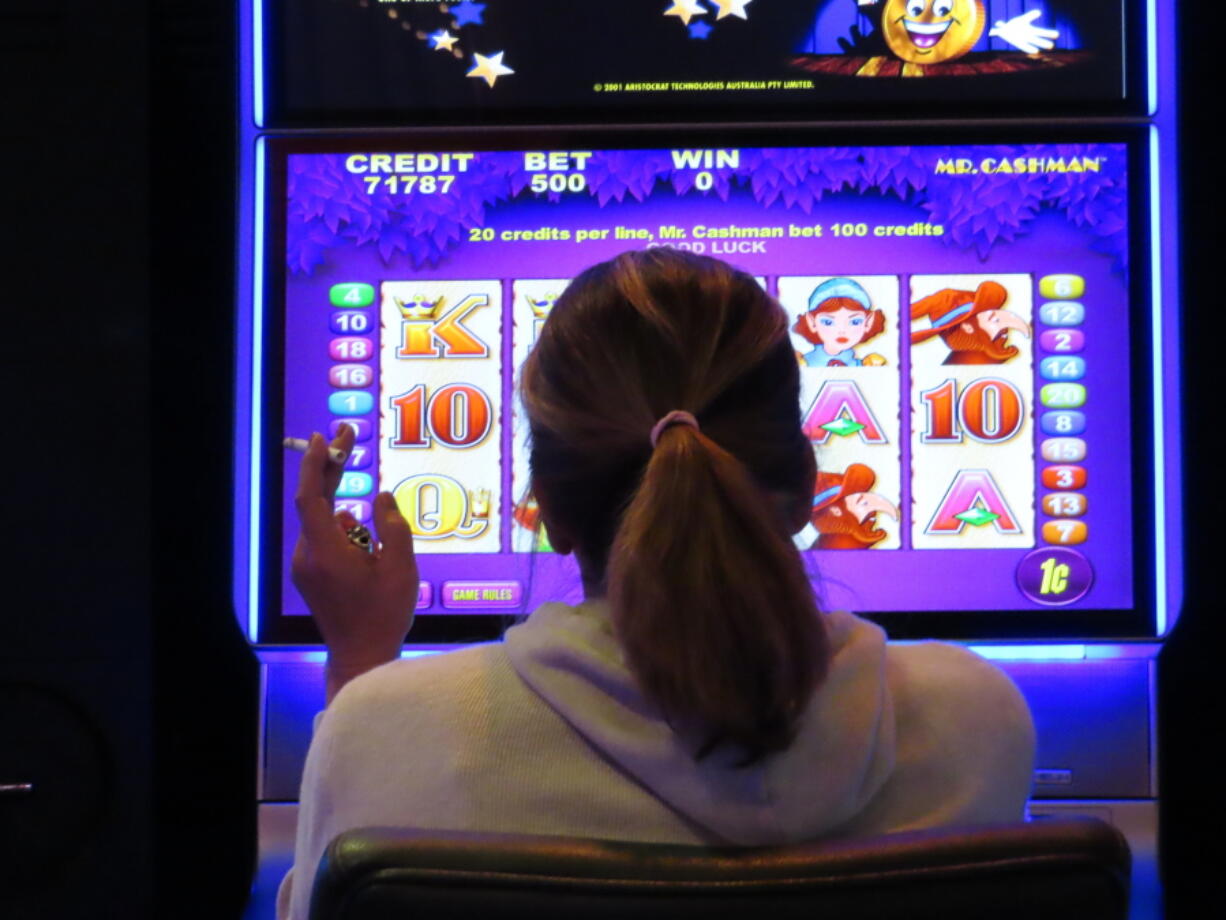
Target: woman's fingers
<point>313,504</point>
<point>393,530</point>
<point>318,478</point>
<point>333,471</point>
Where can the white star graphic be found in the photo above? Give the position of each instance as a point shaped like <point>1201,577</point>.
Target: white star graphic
<point>442,40</point>
<point>489,68</point>
<point>685,10</point>
<point>732,8</point>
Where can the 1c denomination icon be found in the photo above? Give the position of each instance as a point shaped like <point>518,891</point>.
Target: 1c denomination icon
<point>1054,576</point>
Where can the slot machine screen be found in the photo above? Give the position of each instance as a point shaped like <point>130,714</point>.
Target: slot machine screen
<point>969,320</point>
<point>365,62</point>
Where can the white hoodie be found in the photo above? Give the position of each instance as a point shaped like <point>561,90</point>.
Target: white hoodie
<point>547,733</point>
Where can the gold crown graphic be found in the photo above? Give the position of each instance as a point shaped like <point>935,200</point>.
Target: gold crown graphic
<point>480,502</point>
<point>541,306</point>
<point>419,307</point>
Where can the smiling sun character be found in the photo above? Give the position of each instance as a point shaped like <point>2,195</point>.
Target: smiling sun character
<point>932,31</point>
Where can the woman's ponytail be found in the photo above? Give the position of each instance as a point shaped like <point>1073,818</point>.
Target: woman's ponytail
<point>686,528</point>
<point>711,601</point>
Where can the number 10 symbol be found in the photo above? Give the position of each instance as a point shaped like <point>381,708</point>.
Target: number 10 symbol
<point>989,411</point>
<point>458,414</point>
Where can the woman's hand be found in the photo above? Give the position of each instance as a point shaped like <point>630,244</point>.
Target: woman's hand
<point>363,602</point>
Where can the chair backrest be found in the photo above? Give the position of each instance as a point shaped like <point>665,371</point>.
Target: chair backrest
<point>1050,869</point>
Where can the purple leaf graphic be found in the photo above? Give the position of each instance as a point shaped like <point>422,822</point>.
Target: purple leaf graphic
<point>328,207</point>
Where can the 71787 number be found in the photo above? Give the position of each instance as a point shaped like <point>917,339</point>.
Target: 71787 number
<point>427,185</point>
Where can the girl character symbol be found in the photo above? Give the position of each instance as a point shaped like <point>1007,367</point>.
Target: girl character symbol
<point>839,318</point>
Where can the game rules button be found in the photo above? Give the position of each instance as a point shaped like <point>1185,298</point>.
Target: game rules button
<point>1054,576</point>
<point>461,595</point>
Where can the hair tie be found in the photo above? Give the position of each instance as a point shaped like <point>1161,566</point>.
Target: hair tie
<point>676,417</point>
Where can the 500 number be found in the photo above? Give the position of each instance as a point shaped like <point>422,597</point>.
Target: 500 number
<point>558,182</point>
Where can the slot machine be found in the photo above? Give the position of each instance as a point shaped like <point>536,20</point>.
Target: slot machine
<point>966,208</point>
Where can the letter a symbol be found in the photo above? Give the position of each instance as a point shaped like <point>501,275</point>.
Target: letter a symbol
<point>973,498</point>
<point>840,408</point>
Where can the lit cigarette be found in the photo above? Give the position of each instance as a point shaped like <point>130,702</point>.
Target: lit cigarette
<point>301,444</point>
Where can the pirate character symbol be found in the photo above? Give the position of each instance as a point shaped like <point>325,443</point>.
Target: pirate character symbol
<point>839,318</point>
<point>845,509</point>
<point>972,323</point>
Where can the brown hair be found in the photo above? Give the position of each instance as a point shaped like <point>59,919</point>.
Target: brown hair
<point>691,540</point>
<point>876,319</point>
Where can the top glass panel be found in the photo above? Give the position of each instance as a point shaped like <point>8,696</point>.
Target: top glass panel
<point>409,62</point>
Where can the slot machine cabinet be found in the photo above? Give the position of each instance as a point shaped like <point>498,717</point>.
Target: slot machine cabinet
<point>75,676</point>
<point>1068,496</point>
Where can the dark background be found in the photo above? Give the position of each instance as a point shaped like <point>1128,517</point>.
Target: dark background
<point>126,689</point>
<point>333,59</point>
<point>120,662</point>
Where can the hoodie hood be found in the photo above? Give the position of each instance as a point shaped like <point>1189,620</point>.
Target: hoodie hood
<point>843,753</point>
